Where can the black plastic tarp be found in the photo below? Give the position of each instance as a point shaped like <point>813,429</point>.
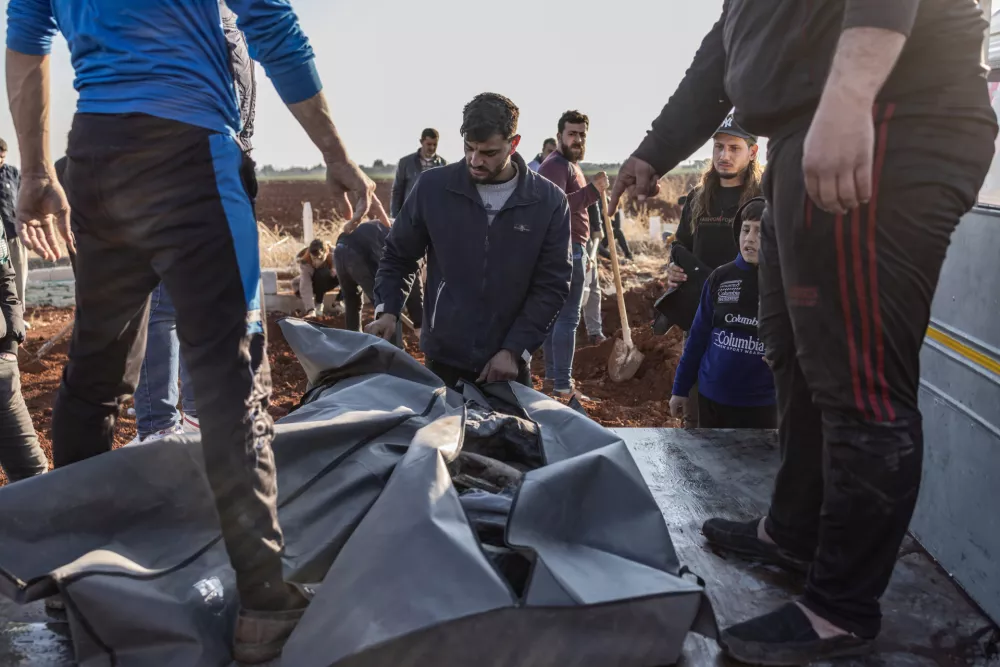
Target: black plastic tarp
<point>494,527</point>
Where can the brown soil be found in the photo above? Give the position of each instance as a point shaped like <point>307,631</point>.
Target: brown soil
<point>279,203</point>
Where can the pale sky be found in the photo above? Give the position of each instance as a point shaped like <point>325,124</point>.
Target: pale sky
<point>392,67</point>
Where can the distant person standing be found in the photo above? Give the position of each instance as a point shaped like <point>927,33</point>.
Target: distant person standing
<point>592,295</point>
<point>562,168</point>
<point>732,179</point>
<point>20,455</point>
<point>548,146</point>
<point>724,352</point>
<point>411,166</point>
<point>10,183</point>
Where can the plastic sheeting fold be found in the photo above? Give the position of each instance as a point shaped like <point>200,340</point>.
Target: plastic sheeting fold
<point>585,574</point>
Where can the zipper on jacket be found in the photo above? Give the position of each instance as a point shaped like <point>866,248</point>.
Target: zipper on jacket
<point>437,297</point>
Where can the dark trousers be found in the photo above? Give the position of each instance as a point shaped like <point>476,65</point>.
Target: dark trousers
<point>20,455</point>
<point>156,200</point>
<point>323,281</point>
<point>717,415</point>
<point>356,276</point>
<point>451,375</point>
<point>845,303</point>
<point>622,243</point>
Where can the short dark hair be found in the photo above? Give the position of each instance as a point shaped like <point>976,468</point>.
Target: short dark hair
<point>430,133</point>
<point>550,140</point>
<point>489,114</point>
<point>754,210</point>
<point>574,117</point>
<point>3,146</point>
<point>317,248</point>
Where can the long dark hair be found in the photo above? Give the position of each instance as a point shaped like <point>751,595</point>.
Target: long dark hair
<point>711,182</point>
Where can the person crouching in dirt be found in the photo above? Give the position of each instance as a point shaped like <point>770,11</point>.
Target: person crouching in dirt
<point>20,455</point>
<point>317,276</point>
<point>723,352</point>
<point>497,240</point>
<point>705,228</point>
<point>356,258</point>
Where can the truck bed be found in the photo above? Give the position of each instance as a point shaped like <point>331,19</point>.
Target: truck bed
<point>695,475</point>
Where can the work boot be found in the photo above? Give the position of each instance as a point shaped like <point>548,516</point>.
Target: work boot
<point>787,637</point>
<point>261,635</point>
<point>742,539</point>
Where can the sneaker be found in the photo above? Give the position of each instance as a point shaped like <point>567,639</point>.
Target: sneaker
<point>159,435</point>
<point>319,309</point>
<point>597,339</point>
<point>740,538</point>
<point>786,637</point>
<point>567,394</point>
<point>261,635</point>
<point>190,424</point>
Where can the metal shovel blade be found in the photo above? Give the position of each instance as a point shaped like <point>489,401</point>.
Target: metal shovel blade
<point>624,361</point>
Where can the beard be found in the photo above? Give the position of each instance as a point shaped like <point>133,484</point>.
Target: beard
<point>573,153</point>
<point>489,177</point>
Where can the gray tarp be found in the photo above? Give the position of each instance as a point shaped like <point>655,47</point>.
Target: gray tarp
<point>392,496</point>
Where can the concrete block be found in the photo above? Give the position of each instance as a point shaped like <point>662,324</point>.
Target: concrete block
<point>270,282</point>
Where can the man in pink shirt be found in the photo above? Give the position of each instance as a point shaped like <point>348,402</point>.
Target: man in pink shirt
<point>562,168</point>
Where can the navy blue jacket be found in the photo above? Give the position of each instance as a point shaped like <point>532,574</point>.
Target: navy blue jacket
<point>489,286</point>
<point>724,351</point>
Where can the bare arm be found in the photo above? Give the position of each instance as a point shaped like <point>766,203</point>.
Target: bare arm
<point>41,198</point>
<point>838,151</point>
<point>342,174</point>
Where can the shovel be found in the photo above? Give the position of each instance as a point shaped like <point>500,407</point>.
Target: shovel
<point>625,358</point>
<point>35,364</point>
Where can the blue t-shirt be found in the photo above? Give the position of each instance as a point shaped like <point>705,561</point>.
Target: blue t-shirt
<point>166,58</point>
<point>724,352</point>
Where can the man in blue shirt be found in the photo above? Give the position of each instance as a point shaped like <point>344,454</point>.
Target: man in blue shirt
<point>154,178</point>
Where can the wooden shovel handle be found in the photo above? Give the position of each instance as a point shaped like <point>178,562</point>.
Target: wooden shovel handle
<point>612,246</point>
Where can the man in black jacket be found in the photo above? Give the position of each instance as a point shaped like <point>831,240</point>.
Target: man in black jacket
<point>356,258</point>
<point>881,134</point>
<point>20,455</point>
<point>411,166</point>
<point>497,240</point>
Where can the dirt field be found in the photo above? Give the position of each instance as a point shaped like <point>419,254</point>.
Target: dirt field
<point>641,401</point>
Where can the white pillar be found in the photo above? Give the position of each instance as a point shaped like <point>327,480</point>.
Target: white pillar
<point>307,223</point>
<point>655,230</point>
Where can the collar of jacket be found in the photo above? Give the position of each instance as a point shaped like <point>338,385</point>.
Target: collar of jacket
<point>434,160</point>
<point>524,194</point>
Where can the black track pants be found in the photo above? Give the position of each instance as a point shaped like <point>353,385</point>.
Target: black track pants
<point>156,200</point>
<point>845,304</point>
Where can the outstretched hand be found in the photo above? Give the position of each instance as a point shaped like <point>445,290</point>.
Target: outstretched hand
<point>41,210</point>
<point>346,180</point>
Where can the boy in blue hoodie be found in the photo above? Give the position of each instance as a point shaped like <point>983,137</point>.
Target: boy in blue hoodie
<point>724,353</point>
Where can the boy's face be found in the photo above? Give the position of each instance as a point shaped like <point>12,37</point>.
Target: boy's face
<point>750,240</point>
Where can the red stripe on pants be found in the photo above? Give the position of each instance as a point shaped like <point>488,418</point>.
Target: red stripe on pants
<point>880,149</point>
<point>845,303</point>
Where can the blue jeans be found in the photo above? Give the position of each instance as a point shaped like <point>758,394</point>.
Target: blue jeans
<point>560,344</point>
<point>156,394</point>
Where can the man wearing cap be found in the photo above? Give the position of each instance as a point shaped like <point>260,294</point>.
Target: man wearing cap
<point>880,134</point>
<point>705,229</point>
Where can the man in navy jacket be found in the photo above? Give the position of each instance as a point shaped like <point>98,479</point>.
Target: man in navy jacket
<point>497,240</point>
